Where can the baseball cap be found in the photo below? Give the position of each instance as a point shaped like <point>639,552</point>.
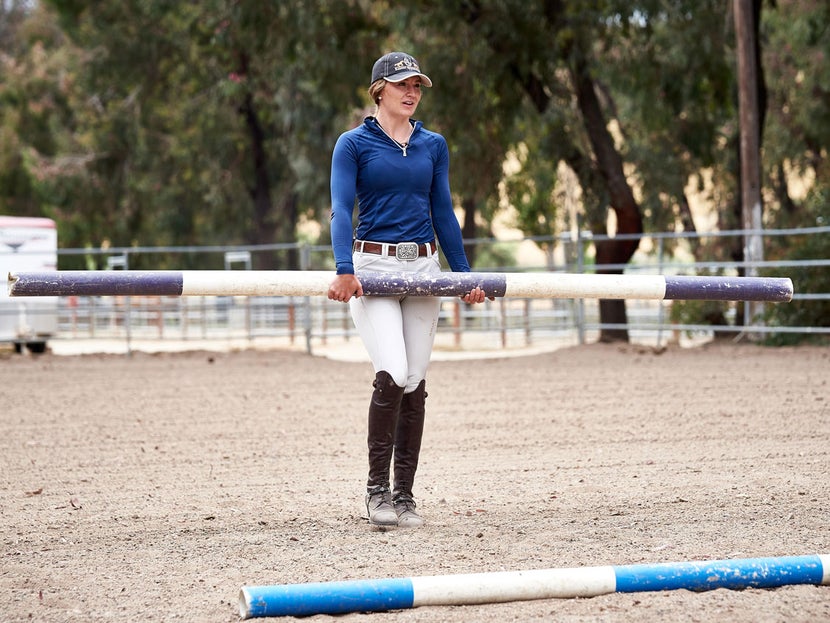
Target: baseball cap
<point>397,66</point>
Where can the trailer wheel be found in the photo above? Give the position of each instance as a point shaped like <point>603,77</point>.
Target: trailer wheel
<point>36,348</point>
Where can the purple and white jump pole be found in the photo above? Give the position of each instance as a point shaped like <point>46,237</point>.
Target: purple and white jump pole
<point>316,283</point>
<point>482,588</point>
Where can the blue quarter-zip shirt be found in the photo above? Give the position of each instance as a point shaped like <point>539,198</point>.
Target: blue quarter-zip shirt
<point>399,198</point>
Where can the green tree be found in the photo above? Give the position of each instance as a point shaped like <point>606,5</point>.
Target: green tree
<point>295,65</point>
<point>472,105</point>
<point>210,118</point>
<point>36,91</point>
<point>796,48</point>
<point>192,123</point>
<point>547,52</point>
<point>796,165</point>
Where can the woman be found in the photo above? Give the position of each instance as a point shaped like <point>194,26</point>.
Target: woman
<point>399,173</point>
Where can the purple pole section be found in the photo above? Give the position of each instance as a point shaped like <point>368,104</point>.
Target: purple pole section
<point>729,289</point>
<point>431,284</point>
<point>100,283</point>
<point>316,283</point>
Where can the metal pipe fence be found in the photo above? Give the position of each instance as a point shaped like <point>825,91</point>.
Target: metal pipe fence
<point>310,323</point>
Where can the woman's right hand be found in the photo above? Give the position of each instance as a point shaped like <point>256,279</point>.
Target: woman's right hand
<point>344,287</point>
<point>476,295</point>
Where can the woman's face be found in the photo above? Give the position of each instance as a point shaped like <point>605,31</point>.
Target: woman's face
<point>401,98</point>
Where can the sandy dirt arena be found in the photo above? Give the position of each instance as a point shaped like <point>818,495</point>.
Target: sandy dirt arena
<point>152,487</point>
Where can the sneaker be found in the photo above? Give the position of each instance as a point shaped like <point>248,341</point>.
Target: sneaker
<point>380,509</point>
<point>408,517</point>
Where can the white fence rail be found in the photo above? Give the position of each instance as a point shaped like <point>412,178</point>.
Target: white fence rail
<point>310,323</point>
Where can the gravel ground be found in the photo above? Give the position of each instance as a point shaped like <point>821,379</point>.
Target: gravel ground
<point>152,487</point>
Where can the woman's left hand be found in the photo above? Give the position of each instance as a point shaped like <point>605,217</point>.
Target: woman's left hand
<point>476,295</point>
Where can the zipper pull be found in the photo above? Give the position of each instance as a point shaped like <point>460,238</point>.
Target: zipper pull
<point>404,150</point>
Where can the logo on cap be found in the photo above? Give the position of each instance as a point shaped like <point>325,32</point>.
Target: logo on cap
<point>397,66</point>
<point>406,63</point>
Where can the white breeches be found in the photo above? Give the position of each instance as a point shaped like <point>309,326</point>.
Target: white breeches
<point>398,332</point>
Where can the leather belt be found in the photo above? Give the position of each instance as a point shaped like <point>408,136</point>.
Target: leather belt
<point>403,251</point>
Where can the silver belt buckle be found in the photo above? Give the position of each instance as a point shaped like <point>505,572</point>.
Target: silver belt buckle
<point>406,251</point>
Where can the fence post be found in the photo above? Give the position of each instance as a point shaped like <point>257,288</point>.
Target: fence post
<point>244,258</point>
<point>305,263</point>
<point>580,303</point>
<point>661,309</point>
<point>503,322</point>
<point>122,262</point>
<point>456,322</point>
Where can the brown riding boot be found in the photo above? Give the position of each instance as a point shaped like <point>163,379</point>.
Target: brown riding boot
<point>383,415</point>
<point>408,435</point>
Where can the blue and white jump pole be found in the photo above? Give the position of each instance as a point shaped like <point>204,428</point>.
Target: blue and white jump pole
<point>316,283</point>
<point>482,588</point>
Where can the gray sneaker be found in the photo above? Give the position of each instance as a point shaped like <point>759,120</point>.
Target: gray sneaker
<point>380,509</point>
<point>408,517</point>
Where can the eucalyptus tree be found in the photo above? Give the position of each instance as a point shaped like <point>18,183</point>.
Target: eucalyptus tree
<point>35,104</point>
<point>545,53</point>
<point>636,98</point>
<point>141,104</point>
<point>796,38</point>
<point>668,72</point>
<point>299,69</point>
<point>469,105</point>
<point>213,122</point>
<point>796,165</point>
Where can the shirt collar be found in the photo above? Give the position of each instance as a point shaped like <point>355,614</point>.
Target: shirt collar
<point>371,123</point>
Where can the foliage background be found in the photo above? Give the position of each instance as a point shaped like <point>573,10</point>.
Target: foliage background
<point>167,123</point>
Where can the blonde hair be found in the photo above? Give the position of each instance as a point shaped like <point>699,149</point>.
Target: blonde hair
<point>376,89</point>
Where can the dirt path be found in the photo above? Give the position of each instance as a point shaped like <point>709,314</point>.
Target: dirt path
<point>152,488</point>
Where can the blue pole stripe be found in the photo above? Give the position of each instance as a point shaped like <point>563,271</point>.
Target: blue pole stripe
<point>328,597</point>
<point>400,593</point>
<point>730,574</point>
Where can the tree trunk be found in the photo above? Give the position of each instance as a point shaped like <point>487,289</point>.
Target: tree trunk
<point>268,226</point>
<point>608,160</point>
<point>260,190</point>
<point>468,230</point>
<point>629,219</point>
<point>736,246</point>
<point>288,260</point>
<point>688,221</point>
